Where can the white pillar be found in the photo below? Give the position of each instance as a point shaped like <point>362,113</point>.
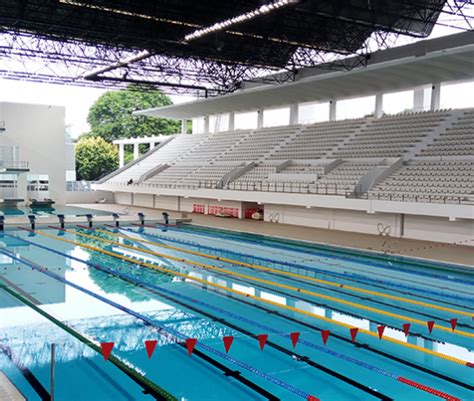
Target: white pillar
<point>206,124</point>
<point>419,99</point>
<point>121,155</point>
<point>378,105</point>
<point>259,119</point>
<point>135,151</point>
<point>435,96</point>
<point>231,126</point>
<point>184,126</point>
<point>294,114</point>
<point>332,110</point>
<point>22,182</point>
<point>152,145</point>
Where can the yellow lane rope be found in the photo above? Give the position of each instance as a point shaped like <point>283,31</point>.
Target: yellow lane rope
<point>295,275</point>
<point>276,284</point>
<point>243,294</point>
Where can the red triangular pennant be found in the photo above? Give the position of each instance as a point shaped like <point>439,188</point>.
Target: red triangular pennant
<point>228,342</point>
<point>430,325</point>
<point>262,339</point>
<point>150,346</point>
<point>294,338</point>
<point>107,349</point>
<point>406,328</point>
<point>454,323</point>
<point>325,335</point>
<point>380,329</point>
<point>190,344</point>
<point>354,331</point>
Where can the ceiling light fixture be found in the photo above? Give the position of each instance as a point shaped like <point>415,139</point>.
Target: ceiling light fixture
<point>222,25</point>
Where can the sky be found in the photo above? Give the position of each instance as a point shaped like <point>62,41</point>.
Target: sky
<point>77,100</point>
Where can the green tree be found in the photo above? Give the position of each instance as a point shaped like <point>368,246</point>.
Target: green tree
<point>110,117</point>
<point>94,158</point>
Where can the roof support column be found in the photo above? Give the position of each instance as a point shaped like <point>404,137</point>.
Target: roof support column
<point>121,155</point>
<point>332,110</point>
<point>294,114</point>
<point>259,119</point>
<point>378,105</point>
<point>152,145</point>
<point>419,98</point>
<point>206,124</point>
<point>184,126</point>
<point>231,126</point>
<point>435,96</point>
<point>136,152</point>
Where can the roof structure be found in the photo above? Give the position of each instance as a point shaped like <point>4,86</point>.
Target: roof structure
<point>448,58</point>
<point>201,47</point>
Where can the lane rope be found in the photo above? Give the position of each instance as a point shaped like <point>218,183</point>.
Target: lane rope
<point>245,295</point>
<point>274,284</point>
<point>147,285</point>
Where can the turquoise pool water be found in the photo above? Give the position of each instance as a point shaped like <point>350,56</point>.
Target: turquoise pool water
<point>191,282</point>
<point>51,211</point>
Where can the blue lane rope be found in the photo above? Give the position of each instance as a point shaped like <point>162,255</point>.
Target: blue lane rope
<point>337,257</point>
<point>346,276</point>
<point>298,392</point>
<point>217,309</point>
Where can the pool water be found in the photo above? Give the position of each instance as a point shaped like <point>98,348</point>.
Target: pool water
<point>51,211</point>
<point>79,288</point>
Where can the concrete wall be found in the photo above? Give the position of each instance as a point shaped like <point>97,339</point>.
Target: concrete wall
<point>440,230</point>
<point>88,196</point>
<point>40,132</point>
<point>123,198</point>
<point>333,219</point>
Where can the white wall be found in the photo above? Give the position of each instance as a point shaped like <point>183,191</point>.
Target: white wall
<point>123,198</point>
<point>334,219</point>
<point>88,196</point>
<point>167,202</point>
<point>40,132</point>
<point>440,230</point>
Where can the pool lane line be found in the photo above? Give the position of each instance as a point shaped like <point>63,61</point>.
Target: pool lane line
<point>364,346</point>
<point>273,283</point>
<point>356,253</point>
<point>156,290</point>
<point>179,338</point>
<point>243,294</point>
<point>303,246</point>
<point>351,277</point>
<point>150,387</point>
<point>333,248</point>
<point>293,275</point>
<point>32,380</point>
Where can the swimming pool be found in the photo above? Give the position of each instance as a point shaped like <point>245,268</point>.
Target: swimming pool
<point>79,288</point>
<point>51,211</point>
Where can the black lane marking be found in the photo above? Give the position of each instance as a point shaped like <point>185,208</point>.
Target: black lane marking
<point>27,374</point>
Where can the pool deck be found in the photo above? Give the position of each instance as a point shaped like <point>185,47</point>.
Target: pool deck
<point>451,253</point>
<point>8,391</point>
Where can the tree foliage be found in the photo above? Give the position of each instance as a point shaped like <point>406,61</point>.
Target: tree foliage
<point>94,158</point>
<point>110,117</point>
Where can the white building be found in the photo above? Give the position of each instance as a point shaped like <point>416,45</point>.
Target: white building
<point>37,133</point>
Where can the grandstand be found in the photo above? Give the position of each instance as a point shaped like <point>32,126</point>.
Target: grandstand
<point>423,159</point>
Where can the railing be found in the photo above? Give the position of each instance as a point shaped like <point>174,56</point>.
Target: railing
<point>8,191</point>
<point>423,198</point>
<point>79,186</point>
<point>14,164</point>
<point>293,187</point>
<point>302,188</point>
